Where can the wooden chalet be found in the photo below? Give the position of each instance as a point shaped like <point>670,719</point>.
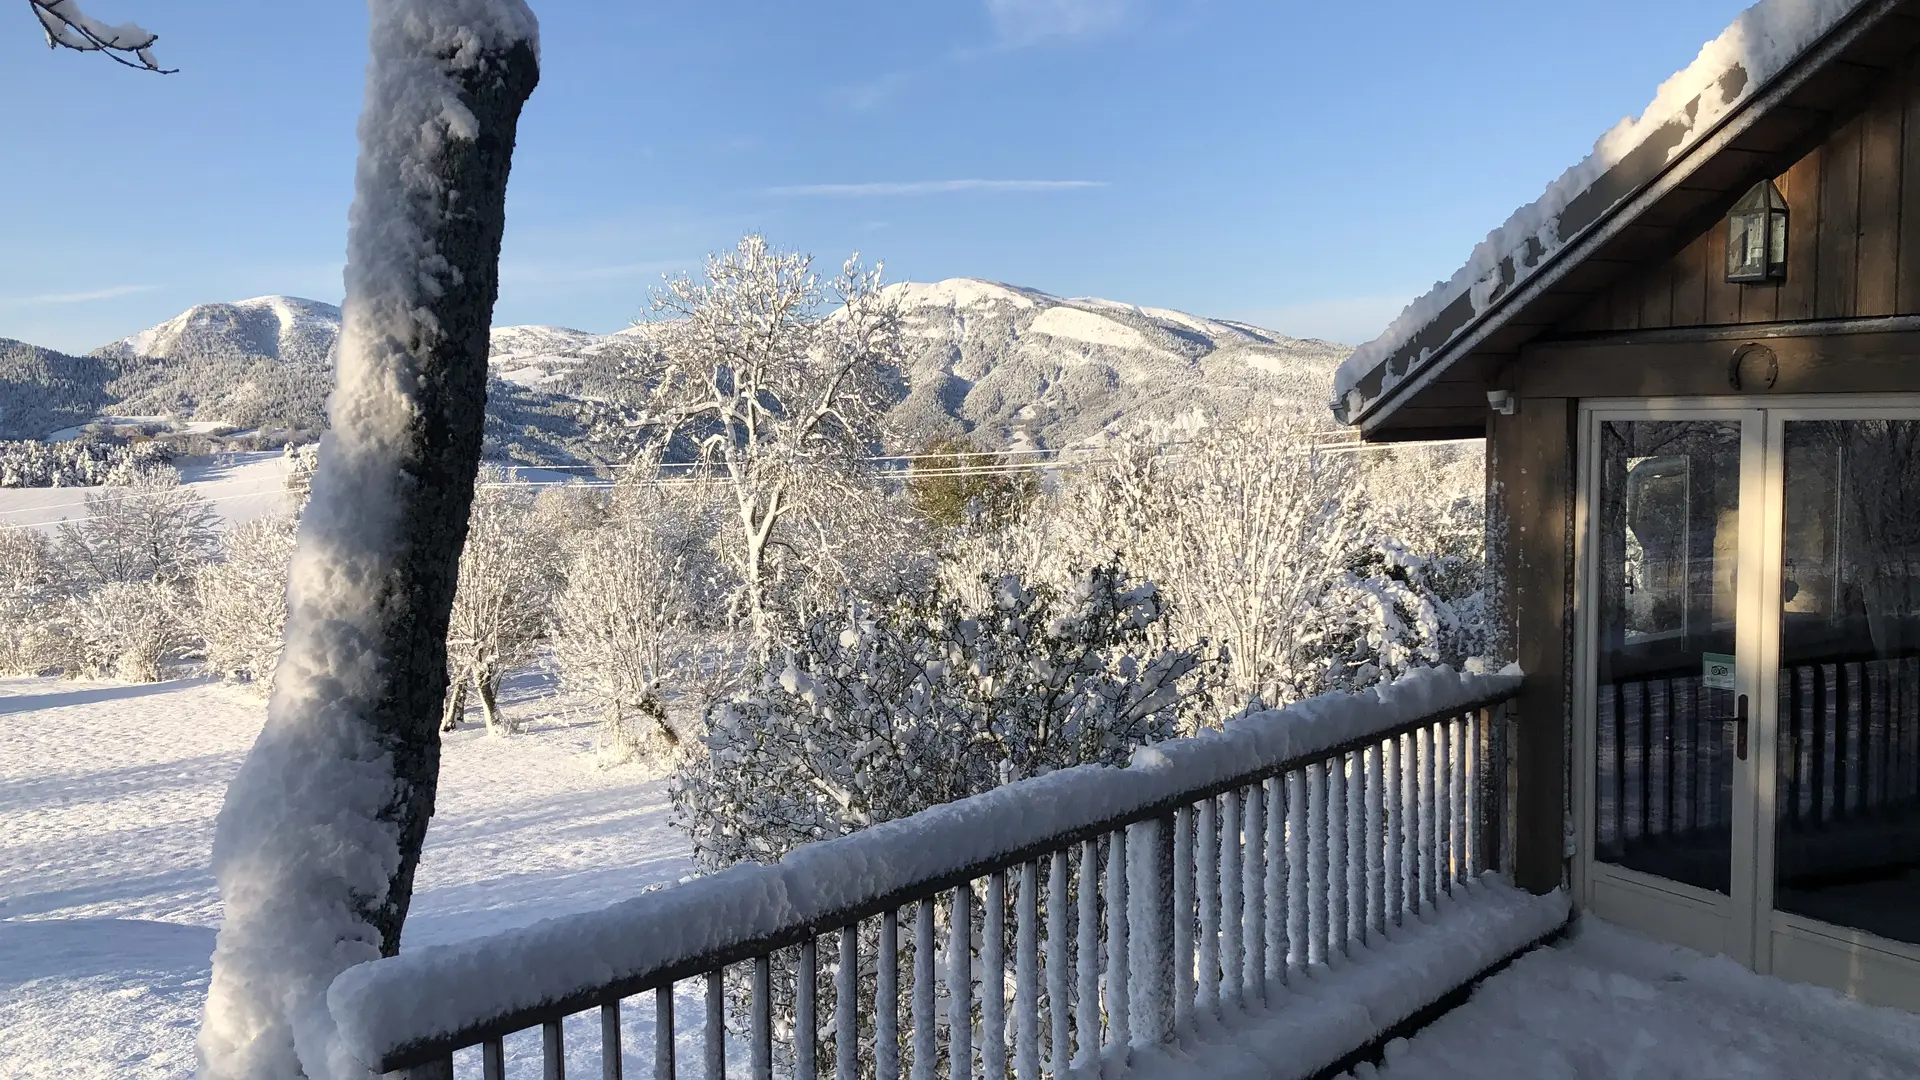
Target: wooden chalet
<point>1701,404</point>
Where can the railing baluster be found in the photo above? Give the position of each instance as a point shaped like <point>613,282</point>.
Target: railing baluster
<point>1086,958</point>
<point>1059,978</point>
<point>1233,948</point>
<point>1476,783</point>
<point>1118,985</point>
<point>1457,784</point>
<point>1254,887</point>
<point>553,1052</point>
<point>1275,887</point>
<point>1419,762</point>
<point>1396,806</point>
<point>715,1045</point>
<point>1297,845</point>
<point>493,1060</point>
<point>760,1022</point>
<point>923,993</point>
<point>1206,882</point>
<point>1376,845</point>
<point>1317,864</point>
<point>846,1006</point>
<point>960,985</point>
<point>1026,975</point>
<point>1443,806</point>
<point>1357,850</point>
<point>1338,857</point>
<point>663,1067</point>
<point>1149,930</point>
<point>1183,926</point>
<point>806,1010</point>
<point>610,1064</point>
<point>886,1000</point>
<point>993,981</point>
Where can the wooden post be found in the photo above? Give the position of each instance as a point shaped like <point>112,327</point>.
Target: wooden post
<point>1530,539</point>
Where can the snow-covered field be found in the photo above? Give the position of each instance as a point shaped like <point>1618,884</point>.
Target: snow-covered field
<point>107,909</point>
<point>238,487</point>
<point>1610,1005</point>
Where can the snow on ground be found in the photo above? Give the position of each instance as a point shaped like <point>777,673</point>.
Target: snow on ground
<point>238,486</point>
<point>1609,1004</point>
<point>107,908</point>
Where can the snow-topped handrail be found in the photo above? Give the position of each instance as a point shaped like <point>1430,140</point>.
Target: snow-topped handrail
<point>415,1008</point>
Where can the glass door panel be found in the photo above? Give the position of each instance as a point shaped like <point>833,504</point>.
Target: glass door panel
<point>1847,789</point>
<point>1667,533</point>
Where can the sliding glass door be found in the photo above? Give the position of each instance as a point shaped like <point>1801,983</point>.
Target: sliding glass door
<point>1748,684</point>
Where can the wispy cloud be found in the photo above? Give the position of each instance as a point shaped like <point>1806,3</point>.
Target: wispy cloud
<point>872,94</point>
<point>109,293</point>
<point>538,274</point>
<point>934,187</point>
<point>1028,22</point>
<point>1349,319</point>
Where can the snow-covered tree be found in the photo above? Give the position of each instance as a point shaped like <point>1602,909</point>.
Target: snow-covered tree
<point>355,712</point>
<point>151,530</point>
<point>778,380</point>
<point>78,462</point>
<point>243,601</point>
<point>882,710</point>
<point>68,27</point>
<point>508,574</point>
<point>29,588</point>
<point>633,586</point>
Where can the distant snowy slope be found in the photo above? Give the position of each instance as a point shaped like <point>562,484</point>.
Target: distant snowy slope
<point>276,327</point>
<point>1012,364</point>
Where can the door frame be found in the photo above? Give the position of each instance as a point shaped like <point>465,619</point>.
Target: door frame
<point>1690,916</point>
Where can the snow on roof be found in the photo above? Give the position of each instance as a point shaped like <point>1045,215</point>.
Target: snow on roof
<point>1730,69</point>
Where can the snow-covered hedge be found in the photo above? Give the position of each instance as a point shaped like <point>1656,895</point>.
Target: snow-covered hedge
<point>26,464</point>
<point>381,1006</point>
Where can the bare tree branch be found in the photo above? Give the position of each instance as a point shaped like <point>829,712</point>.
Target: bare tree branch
<point>67,27</point>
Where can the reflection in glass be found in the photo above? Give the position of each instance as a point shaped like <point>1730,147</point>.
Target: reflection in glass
<point>1847,845</point>
<point>1667,528</point>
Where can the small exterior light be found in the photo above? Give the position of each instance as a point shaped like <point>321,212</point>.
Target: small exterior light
<point>1757,236</point>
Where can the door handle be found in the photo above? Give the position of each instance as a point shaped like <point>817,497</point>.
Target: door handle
<point>1740,727</point>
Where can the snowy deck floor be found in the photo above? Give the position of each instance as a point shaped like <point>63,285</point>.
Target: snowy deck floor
<point>1605,1003</point>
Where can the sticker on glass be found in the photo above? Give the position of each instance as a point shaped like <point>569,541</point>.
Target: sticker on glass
<point>1716,671</point>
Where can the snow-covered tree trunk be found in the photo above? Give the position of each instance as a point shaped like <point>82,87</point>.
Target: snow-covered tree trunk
<point>316,846</point>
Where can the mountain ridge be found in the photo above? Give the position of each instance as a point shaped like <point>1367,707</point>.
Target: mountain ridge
<point>1001,364</point>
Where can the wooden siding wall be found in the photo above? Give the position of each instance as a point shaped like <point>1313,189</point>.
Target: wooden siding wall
<point>1853,244</point>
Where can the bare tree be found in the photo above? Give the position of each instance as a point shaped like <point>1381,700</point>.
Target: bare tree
<point>68,27</point>
<point>508,575</point>
<point>781,379</point>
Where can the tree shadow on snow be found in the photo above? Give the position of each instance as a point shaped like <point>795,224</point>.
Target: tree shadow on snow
<point>91,948</point>
<point>92,695</point>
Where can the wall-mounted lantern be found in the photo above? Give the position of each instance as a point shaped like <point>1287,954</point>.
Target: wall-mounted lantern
<point>1757,236</point>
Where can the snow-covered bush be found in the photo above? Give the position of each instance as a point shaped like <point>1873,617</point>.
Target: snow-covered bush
<point>78,463</point>
<point>633,586</point>
<point>243,601</point>
<point>1316,568</point>
<point>883,710</point>
<point>126,629</point>
<point>508,574</point>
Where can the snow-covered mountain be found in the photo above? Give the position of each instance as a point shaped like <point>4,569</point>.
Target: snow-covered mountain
<point>274,327</point>
<point>1003,363</point>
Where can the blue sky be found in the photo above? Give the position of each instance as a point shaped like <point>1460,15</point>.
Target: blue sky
<point>1309,167</point>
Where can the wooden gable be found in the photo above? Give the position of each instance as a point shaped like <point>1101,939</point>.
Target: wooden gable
<point>1853,249</point>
